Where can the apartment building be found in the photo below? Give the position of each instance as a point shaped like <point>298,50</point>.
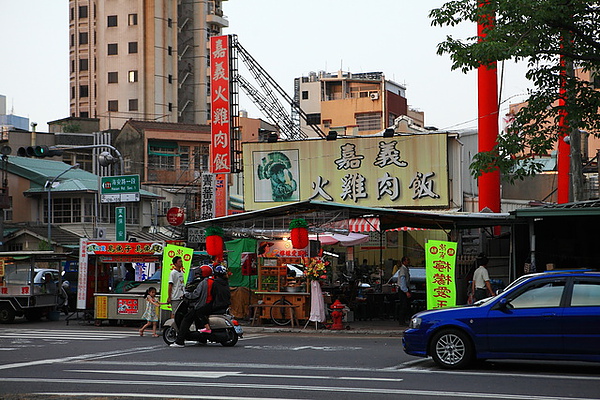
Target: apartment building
<point>350,103</point>
<point>141,59</point>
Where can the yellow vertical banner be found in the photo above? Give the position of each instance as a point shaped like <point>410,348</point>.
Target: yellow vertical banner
<point>171,251</point>
<point>440,263</point>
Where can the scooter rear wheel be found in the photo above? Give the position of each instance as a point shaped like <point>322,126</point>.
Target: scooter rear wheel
<point>169,335</point>
<point>232,338</point>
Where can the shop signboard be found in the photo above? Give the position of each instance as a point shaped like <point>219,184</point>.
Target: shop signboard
<point>280,248</point>
<point>220,148</point>
<point>124,248</point>
<point>402,171</point>
<point>440,263</point>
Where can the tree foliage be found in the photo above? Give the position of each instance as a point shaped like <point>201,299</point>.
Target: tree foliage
<point>537,32</point>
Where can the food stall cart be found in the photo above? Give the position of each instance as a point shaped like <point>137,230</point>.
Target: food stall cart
<point>30,284</point>
<point>98,261</point>
<point>280,291</point>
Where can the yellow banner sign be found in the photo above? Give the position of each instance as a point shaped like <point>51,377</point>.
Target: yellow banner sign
<point>403,171</point>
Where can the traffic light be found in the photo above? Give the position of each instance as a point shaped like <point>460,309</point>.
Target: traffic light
<point>38,151</point>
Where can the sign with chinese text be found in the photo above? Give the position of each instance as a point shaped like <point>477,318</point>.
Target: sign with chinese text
<point>116,189</point>
<point>221,196</point>
<point>279,248</point>
<point>220,148</point>
<point>82,275</point>
<point>120,224</point>
<point>175,216</point>
<point>403,171</point>
<point>207,206</point>
<point>125,248</point>
<point>171,251</point>
<point>127,306</point>
<point>440,263</point>
<point>101,307</point>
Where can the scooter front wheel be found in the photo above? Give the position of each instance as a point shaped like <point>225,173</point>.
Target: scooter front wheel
<point>169,335</point>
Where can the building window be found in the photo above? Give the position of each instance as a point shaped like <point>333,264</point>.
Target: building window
<point>133,48</point>
<point>132,19</point>
<point>368,121</point>
<point>113,49</point>
<point>72,65</point>
<point>83,38</point>
<point>326,123</point>
<point>133,104</point>
<point>88,210</point>
<point>72,40</point>
<point>83,64</point>
<point>170,78</point>
<point>313,119</point>
<point>184,157</point>
<point>64,210</point>
<point>83,11</point>
<point>113,105</point>
<point>170,50</point>
<point>305,95</point>
<point>161,155</point>
<point>111,20</point>
<point>169,22</point>
<point>83,91</point>
<point>72,92</point>
<point>84,114</point>
<point>113,77</point>
<point>72,14</point>
<point>170,107</point>
<point>132,76</point>
<point>201,158</point>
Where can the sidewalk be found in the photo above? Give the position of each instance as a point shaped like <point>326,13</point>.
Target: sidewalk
<point>387,327</point>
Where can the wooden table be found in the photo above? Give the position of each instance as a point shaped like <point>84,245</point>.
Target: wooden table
<point>257,307</point>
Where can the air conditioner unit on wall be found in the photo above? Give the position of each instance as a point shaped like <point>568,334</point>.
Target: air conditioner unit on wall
<point>374,95</point>
<point>100,233</point>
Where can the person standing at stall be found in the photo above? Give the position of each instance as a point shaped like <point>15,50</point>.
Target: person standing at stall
<point>404,292</point>
<point>481,287</point>
<point>175,285</point>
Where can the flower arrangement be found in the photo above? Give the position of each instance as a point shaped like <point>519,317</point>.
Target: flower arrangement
<point>315,269</point>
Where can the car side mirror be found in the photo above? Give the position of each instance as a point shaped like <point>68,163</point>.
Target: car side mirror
<point>503,304</point>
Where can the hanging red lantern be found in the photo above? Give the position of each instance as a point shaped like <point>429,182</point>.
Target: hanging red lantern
<point>214,241</point>
<point>299,233</point>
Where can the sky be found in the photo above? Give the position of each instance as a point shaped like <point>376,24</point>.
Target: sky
<point>288,38</point>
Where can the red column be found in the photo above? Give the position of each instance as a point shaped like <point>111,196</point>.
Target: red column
<point>564,150</point>
<point>487,86</point>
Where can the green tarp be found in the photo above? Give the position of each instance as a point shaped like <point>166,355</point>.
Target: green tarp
<point>235,248</point>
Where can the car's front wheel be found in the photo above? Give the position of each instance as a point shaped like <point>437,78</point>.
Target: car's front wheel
<point>451,348</point>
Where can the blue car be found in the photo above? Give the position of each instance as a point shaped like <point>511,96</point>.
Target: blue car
<point>546,316</point>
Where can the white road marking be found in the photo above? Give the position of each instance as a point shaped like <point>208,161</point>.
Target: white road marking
<point>154,396</point>
<point>75,358</point>
<point>222,374</point>
<point>298,348</point>
<point>332,389</point>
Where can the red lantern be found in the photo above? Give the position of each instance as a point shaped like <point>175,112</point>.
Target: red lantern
<point>299,234</point>
<point>214,241</point>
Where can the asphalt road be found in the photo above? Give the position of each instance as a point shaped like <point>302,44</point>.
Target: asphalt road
<point>52,360</point>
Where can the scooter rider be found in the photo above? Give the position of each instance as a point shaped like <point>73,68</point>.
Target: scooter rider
<point>193,300</point>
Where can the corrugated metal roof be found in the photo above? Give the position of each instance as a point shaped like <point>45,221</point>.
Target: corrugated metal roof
<point>38,171</point>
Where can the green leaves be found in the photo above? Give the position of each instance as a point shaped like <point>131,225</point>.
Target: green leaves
<point>538,32</point>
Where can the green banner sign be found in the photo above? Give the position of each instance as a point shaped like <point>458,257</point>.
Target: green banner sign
<point>120,226</point>
<point>440,263</point>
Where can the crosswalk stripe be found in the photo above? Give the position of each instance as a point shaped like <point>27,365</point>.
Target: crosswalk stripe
<point>64,334</point>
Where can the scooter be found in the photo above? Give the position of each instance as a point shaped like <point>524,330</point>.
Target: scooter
<point>224,329</point>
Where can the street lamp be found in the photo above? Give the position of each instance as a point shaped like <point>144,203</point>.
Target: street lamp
<point>49,186</point>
